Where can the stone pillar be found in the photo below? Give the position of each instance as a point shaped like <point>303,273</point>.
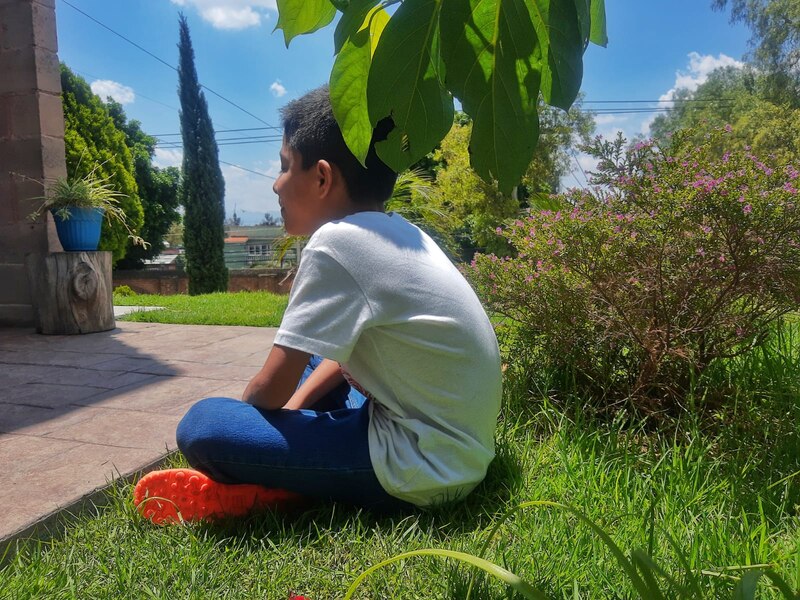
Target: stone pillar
<point>31,145</point>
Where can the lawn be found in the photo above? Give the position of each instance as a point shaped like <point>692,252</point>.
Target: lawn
<point>715,495</point>
<point>257,309</point>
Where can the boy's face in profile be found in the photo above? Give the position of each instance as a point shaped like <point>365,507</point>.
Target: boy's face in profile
<point>297,192</point>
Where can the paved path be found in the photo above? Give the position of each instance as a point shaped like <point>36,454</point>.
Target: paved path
<point>77,411</point>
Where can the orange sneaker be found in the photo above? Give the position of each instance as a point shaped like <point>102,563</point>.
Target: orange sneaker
<point>186,495</point>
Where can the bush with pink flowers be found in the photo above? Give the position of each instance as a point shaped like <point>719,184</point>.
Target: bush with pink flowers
<point>672,261</point>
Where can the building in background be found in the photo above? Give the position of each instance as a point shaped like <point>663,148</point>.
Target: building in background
<point>260,246</point>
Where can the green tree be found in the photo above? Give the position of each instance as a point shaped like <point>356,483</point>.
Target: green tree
<point>475,208</point>
<point>775,40</point>
<point>203,189</point>
<point>738,98</point>
<point>92,140</point>
<point>498,56</point>
<point>158,189</point>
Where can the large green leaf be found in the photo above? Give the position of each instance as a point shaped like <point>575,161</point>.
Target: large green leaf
<point>598,33</point>
<point>348,82</point>
<point>494,65</point>
<point>352,21</point>
<point>405,82</point>
<point>297,17</point>
<point>561,45</point>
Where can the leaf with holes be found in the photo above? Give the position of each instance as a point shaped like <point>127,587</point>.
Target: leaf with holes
<point>348,82</point>
<point>405,82</point>
<point>494,63</point>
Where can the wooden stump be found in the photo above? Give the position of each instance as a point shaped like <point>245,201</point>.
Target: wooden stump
<point>72,292</point>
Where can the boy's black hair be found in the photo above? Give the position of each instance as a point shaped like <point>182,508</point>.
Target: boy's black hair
<point>310,128</point>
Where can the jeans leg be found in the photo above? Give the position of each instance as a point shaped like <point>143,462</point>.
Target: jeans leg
<point>317,454</point>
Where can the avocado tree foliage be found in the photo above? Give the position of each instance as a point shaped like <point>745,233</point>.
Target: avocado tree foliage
<point>494,56</point>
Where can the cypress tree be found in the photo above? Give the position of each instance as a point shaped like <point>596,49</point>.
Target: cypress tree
<point>203,189</point>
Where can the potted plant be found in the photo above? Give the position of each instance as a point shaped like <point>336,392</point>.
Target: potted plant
<point>78,206</point>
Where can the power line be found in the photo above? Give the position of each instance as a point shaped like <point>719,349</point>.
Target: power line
<point>222,131</point>
<point>269,138</point>
<point>248,170</point>
<point>654,101</point>
<point>162,61</point>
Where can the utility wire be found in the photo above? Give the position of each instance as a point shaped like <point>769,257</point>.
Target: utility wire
<point>138,95</point>
<point>220,131</point>
<point>248,170</point>
<point>162,61</point>
<point>653,101</point>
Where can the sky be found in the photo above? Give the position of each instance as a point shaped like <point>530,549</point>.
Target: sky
<point>655,47</point>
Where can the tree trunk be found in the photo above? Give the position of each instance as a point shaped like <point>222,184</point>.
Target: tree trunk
<point>72,292</point>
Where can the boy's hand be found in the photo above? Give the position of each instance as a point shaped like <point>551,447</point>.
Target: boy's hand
<point>277,380</point>
<point>325,378</point>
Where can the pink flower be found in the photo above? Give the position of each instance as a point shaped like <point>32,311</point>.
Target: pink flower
<point>701,252</point>
<point>747,209</point>
<point>721,258</point>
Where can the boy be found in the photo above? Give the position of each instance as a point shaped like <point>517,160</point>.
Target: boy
<point>402,409</point>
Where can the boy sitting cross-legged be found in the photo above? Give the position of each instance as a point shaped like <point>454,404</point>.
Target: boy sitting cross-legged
<point>383,385</point>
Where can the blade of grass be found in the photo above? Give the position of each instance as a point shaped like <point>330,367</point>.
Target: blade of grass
<point>514,581</point>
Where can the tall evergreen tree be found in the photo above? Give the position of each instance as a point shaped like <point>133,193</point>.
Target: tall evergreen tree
<point>203,189</point>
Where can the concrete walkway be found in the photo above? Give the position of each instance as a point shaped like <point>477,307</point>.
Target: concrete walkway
<point>78,411</point>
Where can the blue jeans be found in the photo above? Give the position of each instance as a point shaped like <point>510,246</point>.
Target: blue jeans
<point>321,453</point>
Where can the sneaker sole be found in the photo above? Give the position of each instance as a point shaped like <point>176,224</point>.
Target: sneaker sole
<point>186,495</point>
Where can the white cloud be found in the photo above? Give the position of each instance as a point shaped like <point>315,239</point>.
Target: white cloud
<point>106,88</point>
<point>168,157</point>
<point>277,89</point>
<point>609,119</point>
<point>231,14</point>
<point>699,68</point>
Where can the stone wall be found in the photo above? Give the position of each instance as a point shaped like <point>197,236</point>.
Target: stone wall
<point>31,145</point>
<point>167,282</point>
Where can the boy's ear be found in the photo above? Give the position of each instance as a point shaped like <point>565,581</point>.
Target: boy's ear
<point>325,175</point>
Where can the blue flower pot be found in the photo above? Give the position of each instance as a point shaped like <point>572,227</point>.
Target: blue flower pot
<point>81,232</point>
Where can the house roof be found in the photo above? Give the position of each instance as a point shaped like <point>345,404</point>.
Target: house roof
<point>236,239</point>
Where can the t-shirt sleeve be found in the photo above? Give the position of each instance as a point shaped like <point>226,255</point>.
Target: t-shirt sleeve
<point>327,309</point>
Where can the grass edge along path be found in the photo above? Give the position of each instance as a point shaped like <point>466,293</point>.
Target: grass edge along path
<point>254,309</point>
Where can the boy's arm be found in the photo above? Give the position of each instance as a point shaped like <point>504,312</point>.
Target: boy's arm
<point>325,378</point>
<point>274,384</point>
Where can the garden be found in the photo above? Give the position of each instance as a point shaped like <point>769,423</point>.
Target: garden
<point>648,444</point>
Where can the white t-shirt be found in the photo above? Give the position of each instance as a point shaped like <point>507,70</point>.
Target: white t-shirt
<point>376,294</point>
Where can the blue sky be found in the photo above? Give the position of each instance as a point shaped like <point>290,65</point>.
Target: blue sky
<point>654,47</point>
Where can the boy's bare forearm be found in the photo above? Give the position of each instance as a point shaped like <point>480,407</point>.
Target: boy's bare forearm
<point>274,384</point>
<point>325,378</point>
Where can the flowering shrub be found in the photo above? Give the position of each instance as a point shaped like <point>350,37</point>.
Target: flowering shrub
<point>674,260</point>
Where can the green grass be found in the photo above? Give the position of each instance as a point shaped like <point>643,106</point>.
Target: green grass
<point>258,309</point>
<point>720,493</point>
